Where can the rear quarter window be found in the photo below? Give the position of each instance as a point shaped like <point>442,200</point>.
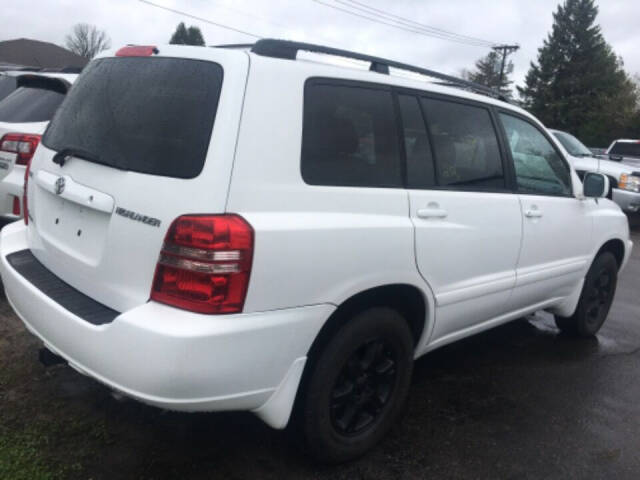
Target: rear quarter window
<point>141,114</point>
<point>350,137</point>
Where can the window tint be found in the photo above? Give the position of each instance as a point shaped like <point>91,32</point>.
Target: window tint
<point>349,137</point>
<point>539,168</point>
<point>149,115</point>
<point>420,168</point>
<point>7,85</point>
<point>465,145</point>
<point>27,104</point>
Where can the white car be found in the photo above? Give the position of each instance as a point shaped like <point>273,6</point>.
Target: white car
<point>24,116</point>
<point>218,229</point>
<point>624,176</point>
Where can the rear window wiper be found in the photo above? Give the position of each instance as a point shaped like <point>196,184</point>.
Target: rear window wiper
<point>62,156</point>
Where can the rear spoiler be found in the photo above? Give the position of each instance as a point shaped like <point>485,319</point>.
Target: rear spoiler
<point>59,85</point>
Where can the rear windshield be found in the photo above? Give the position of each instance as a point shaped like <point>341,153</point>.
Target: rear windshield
<point>29,104</point>
<point>626,149</point>
<point>7,85</point>
<point>148,115</point>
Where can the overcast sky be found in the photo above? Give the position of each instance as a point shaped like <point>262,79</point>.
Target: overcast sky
<point>525,22</point>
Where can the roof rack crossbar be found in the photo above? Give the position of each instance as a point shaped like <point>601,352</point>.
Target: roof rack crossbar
<point>286,49</point>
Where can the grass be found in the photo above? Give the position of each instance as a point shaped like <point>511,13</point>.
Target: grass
<point>21,456</point>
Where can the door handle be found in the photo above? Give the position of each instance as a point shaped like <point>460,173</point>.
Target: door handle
<point>533,213</point>
<point>431,212</point>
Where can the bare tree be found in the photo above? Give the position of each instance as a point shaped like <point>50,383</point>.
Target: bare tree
<point>87,41</point>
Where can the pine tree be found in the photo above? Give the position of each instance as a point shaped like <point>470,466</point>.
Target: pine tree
<point>187,36</point>
<point>194,36</point>
<point>487,72</point>
<point>578,83</point>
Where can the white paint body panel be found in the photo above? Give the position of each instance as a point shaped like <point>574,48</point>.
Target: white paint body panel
<point>315,247</point>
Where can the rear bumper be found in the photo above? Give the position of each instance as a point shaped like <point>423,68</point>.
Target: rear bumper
<point>171,358</point>
<point>628,201</point>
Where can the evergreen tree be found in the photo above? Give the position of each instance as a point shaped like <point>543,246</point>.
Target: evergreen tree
<point>187,36</point>
<point>194,36</point>
<point>578,83</point>
<point>487,72</point>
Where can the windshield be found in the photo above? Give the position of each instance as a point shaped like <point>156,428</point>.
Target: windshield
<point>626,149</point>
<point>28,104</point>
<point>7,85</point>
<point>141,114</point>
<point>572,145</point>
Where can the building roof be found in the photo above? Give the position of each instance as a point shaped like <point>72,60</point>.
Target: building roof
<point>34,53</point>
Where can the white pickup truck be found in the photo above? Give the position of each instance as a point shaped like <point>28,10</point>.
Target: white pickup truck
<point>623,172</point>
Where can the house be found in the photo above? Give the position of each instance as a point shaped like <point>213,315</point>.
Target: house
<point>24,52</point>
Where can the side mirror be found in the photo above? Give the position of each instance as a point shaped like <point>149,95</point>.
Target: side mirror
<point>595,185</point>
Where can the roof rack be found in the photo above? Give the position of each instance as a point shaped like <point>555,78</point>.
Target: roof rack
<point>234,45</point>
<point>288,50</point>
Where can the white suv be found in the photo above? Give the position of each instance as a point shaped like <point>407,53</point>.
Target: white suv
<point>238,229</point>
<point>24,116</point>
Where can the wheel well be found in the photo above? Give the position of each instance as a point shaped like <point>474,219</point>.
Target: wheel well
<point>406,299</point>
<point>616,247</point>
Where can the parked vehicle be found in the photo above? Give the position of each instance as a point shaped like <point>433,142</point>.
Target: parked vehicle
<point>624,178</point>
<point>625,150</point>
<point>24,115</point>
<point>203,236</point>
<point>598,151</point>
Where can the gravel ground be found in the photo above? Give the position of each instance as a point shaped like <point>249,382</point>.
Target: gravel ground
<point>519,401</point>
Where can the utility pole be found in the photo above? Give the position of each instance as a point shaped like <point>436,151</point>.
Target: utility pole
<point>505,50</point>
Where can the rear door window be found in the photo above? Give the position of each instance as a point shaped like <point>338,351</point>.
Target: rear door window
<point>148,115</point>
<point>465,144</point>
<point>350,137</point>
<point>30,104</point>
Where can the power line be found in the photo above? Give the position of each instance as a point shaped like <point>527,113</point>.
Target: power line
<point>397,18</point>
<point>179,12</point>
<point>419,30</point>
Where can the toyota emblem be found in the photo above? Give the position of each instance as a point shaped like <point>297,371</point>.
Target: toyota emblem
<point>59,187</point>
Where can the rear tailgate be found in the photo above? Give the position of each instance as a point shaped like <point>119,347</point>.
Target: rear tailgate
<point>142,140</point>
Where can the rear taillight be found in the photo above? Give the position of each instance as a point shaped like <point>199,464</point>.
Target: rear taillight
<point>23,145</point>
<point>25,209</point>
<point>205,263</point>
<point>16,206</point>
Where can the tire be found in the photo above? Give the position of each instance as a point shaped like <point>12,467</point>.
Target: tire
<point>595,300</point>
<point>358,386</point>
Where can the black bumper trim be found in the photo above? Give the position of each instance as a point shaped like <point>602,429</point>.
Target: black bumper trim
<point>27,265</point>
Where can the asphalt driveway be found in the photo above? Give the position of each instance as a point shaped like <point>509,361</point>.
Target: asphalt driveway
<point>519,401</point>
